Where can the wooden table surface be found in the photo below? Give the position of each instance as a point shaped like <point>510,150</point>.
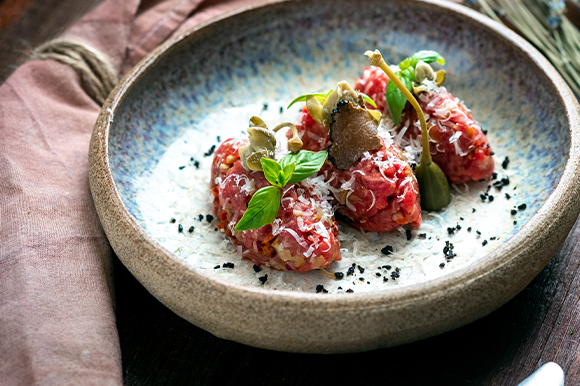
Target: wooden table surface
<point>539,325</point>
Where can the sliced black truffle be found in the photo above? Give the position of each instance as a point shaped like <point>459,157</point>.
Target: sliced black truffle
<point>353,131</point>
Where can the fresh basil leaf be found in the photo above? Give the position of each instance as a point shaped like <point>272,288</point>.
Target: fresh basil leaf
<point>396,100</point>
<point>271,170</point>
<point>425,55</point>
<point>307,163</point>
<point>428,57</point>
<point>287,173</point>
<point>409,73</point>
<point>262,209</point>
<point>302,98</point>
<point>368,99</point>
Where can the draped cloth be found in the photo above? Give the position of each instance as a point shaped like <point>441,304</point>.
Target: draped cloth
<point>57,303</point>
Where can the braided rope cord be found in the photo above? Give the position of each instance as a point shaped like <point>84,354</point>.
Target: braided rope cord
<point>95,69</point>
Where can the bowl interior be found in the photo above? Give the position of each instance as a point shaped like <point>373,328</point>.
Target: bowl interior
<point>255,63</point>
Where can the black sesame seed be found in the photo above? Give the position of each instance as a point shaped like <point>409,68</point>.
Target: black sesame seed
<point>217,267</point>
<point>490,198</point>
<point>493,238</point>
<point>461,218</point>
<point>484,131</point>
<point>219,139</point>
<point>361,269</point>
<point>505,162</point>
<point>482,196</point>
<point>484,243</point>
<point>180,228</point>
<point>338,275</point>
<point>324,291</point>
<point>200,217</point>
<point>172,220</point>
<point>522,206</point>
<point>215,229</point>
<point>492,152</point>
<point>256,268</point>
<point>494,176</point>
<point>196,164</point>
<point>350,271</point>
<point>263,279</point>
<point>281,109</point>
<point>387,267</point>
<point>191,229</point>
<point>505,180</point>
<point>408,233</point>
<point>378,274</point>
<point>422,235</point>
<point>458,227</point>
<point>498,185</point>
<point>339,288</point>
<point>398,269</point>
<point>319,288</point>
<point>361,278</point>
<point>209,217</point>
<point>441,265</point>
<point>387,250</point>
<point>192,159</point>
<point>478,232</point>
<point>469,229</point>
<point>514,212</point>
<point>385,279</point>
<point>265,106</point>
<point>349,291</point>
<point>508,196</point>
<point>228,265</point>
<point>515,222</point>
<point>450,230</point>
<point>210,151</point>
<point>473,210</point>
<point>181,167</point>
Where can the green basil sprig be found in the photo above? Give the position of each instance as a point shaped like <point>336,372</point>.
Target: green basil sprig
<point>265,203</point>
<point>395,98</point>
<point>322,97</point>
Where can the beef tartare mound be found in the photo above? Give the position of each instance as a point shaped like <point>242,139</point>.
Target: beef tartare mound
<point>303,236</point>
<point>379,193</point>
<point>458,144</point>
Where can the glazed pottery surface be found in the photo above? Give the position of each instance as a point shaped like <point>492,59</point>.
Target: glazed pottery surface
<point>281,49</point>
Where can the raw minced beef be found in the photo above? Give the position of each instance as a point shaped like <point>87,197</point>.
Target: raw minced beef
<point>458,144</point>
<point>302,238</point>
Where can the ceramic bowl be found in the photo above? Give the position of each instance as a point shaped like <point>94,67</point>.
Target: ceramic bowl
<point>281,49</point>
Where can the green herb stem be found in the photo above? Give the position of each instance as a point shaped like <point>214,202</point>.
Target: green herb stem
<point>426,154</point>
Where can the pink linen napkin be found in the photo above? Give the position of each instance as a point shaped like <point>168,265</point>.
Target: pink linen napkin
<point>57,320</point>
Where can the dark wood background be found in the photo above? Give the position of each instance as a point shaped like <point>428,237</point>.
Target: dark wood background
<point>539,325</point>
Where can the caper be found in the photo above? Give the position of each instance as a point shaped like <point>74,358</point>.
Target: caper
<point>295,143</point>
<point>440,78</point>
<point>433,186</point>
<point>424,71</point>
<point>262,144</point>
<point>257,122</point>
<point>261,138</point>
<point>315,109</point>
<point>253,160</point>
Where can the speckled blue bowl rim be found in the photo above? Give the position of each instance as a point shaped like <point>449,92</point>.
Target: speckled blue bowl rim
<point>551,223</point>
